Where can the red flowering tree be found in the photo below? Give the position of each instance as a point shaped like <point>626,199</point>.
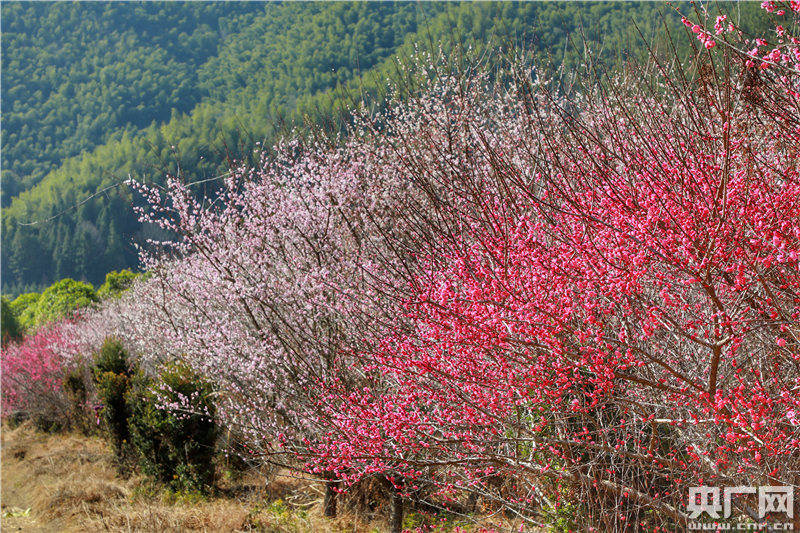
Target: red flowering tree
<point>548,298</point>
<point>606,299</point>
<point>33,373</point>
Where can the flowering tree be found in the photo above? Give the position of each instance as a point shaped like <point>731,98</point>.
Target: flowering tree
<point>620,307</point>
<point>33,375</point>
<point>498,286</point>
<point>264,289</point>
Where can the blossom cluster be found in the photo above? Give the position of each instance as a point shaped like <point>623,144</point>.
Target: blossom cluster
<point>33,371</point>
<point>496,290</point>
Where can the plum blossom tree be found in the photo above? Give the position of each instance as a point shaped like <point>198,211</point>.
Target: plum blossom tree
<point>620,307</point>
<point>540,294</point>
<point>265,288</point>
<point>33,371</point>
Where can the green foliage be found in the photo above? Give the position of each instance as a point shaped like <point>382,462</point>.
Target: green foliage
<point>287,42</point>
<point>75,75</point>
<point>62,299</point>
<point>112,357</point>
<point>175,440</point>
<point>116,283</point>
<point>111,391</point>
<point>77,398</point>
<point>24,308</point>
<point>10,328</point>
<point>112,375</point>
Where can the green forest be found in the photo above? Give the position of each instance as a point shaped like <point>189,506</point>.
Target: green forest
<point>95,93</point>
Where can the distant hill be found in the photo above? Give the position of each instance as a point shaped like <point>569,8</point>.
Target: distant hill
<point>75,74</point>
<point>95,92</point>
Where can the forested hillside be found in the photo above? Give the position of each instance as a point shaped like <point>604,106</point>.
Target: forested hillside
<point>76,74</point>
<point>95,93</point>
<point>286,53</point>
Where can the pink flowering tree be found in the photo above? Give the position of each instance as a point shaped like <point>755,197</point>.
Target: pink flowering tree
<point>33,373</point>
<point>779,53</point>
<point>582,299</point>
<point>608,299</point>
<point>268,286</point>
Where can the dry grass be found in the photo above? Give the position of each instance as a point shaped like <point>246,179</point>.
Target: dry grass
<point>69,483</point>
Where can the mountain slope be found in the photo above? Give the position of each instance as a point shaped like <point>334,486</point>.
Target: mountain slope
<point>75,74</point>
<point>288,61</point>
<point>284,42</point>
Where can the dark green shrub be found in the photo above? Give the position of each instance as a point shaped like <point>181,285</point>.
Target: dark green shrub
<point>10,328</point>
<point>173,428</point>
<point>112,377</point>
<point>111,390</point>
<point>112,357</point>
<point>77,399</point>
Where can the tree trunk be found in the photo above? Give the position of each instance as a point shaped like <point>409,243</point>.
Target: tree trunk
<point>396,518</point>
<point>329,503</point>
<point>472,502</point>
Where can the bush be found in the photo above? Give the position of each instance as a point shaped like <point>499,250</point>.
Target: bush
<point>112,357</point>
<point>112,376</point>
<point>10,328</point>
<point>173,428</point>
<point>62,299</point>
<point>77,398</point>
<point>24,309</point>
<point>116,283</point>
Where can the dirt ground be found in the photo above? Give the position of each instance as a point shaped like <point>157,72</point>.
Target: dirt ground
<point>68,483</point>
